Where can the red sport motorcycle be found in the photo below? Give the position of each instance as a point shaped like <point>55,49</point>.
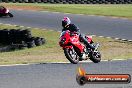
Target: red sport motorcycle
<point>5,12</point>
<point>75,50</point>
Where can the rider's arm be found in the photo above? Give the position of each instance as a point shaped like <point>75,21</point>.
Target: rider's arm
<point>77,30</point>
<point>63,29</point>
<point>74,28</point>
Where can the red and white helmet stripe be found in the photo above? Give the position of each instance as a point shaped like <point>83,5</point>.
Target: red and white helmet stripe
<point>67,20</point>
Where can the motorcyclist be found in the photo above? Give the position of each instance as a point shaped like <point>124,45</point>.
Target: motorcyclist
<point>66,24</point>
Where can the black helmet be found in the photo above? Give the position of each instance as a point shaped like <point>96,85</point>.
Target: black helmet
<point>65,21</point>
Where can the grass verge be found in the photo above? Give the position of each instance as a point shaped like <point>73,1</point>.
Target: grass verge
<point>52,52</point>
<point>105,10</point>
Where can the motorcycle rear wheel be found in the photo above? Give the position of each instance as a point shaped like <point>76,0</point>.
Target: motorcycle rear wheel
<point>95,57</point>
<point>11,15</point>
<point>71,55</point>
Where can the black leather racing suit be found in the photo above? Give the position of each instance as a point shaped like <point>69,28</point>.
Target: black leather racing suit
<point>73,28</point>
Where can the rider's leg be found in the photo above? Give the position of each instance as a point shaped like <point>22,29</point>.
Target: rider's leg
<point>88,45</point>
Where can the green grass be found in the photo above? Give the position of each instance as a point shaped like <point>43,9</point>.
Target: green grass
<point>105,10</point>
<point>46,53</point>
<point>52,52</point>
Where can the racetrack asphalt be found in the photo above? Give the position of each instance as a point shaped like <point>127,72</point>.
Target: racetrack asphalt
<point>60,75</point>
<point>94,25</point>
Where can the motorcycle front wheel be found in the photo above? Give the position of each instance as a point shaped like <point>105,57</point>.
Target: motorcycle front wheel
<point>71,55</point>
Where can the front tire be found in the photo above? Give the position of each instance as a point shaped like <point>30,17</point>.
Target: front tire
<point>71,55</point>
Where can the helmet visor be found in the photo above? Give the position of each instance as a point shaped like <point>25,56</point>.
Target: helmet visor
<point>64,23</point>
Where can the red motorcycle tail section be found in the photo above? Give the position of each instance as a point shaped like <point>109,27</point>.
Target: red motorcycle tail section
<point>89,38</point>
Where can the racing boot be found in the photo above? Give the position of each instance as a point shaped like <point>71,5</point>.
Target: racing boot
<point>88,45</point>
<point>84,40</point>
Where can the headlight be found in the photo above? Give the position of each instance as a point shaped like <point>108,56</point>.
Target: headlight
<point>62,41</point>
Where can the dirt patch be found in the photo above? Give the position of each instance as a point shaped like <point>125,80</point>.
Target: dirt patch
<point>10,6</point>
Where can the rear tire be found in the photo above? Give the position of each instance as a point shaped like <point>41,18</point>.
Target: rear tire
<point>11,15</point>
<point>71,55</point>
<point>95,57</point>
